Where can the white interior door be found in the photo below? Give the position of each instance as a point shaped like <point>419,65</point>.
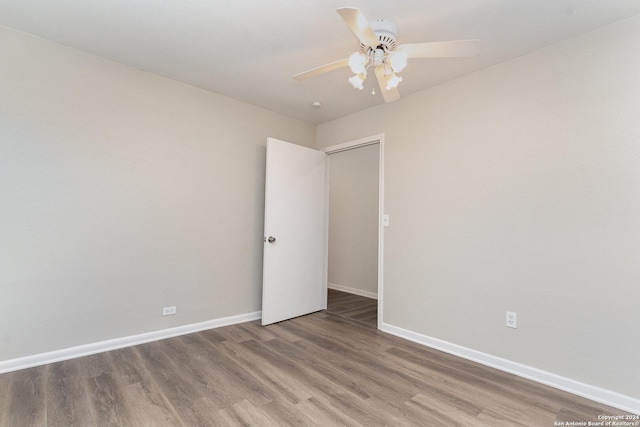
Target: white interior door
<point>294,271</point>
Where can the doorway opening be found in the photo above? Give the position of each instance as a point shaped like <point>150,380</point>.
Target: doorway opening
<point>355,233</point>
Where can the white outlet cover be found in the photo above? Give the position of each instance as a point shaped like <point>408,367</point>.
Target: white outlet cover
<point>512,319</point>
<point>167,311</point>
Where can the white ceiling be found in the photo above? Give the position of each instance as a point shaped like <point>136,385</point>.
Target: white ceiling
<point>250,49</point>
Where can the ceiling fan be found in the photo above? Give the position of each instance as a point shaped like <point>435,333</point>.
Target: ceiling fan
<point>378,50</point>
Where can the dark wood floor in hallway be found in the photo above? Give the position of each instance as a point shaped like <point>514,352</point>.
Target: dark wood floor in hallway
<point>354,307</point>
<point>323,369</point>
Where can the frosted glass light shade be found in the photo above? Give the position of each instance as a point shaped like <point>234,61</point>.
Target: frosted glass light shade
<point>356,81</point>
<point>398,60</point>
<point>393,81</point>
<point>358,62</point>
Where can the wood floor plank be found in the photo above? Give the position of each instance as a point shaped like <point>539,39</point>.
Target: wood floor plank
<point>390,380</point>
<point>499,383</point>
<point>26,401</point>
<point>91,366</point>
<point>490,400</point>
<point>358,410</point>
<point>250,415</point>
<point>445,414</point>
<point>493,418</point>
<point>245,332</point>
<point>5,383</point>
<point>109,405</point>
<point>125,364</point>
<point>224,374</point>
<point>284,384</point>
<point>287,414</point>
<point>255,331</point>
<point>204,412</point>
<point>67,394</point>
<point>362,371</point>
<point>147,402</point>
<point>201,363</point>
<point>180,390</point>
<point>204,360</point>
<point>148,407</point>
<point>323,369</point>
<point>360,336</point>
<point>408,415</point>
<point>321,413</point>
<point>305,372</point>
<point>352,306</point>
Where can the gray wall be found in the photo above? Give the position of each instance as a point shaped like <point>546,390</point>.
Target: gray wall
<point>518,188</point>
<point>122,192</point>
<point>353,220</point>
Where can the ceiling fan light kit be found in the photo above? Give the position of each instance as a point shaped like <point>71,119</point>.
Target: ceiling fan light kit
<point>379,50</point>
<point>391,63</point>
<point>398,61</point>
<point>358,63</point>
<point>357,81</point>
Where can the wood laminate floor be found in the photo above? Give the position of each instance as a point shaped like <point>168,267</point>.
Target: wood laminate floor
<point>317,370</point>
<point>353,307</point>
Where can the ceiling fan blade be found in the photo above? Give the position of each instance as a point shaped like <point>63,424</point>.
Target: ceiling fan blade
<point>389,95</point>
<point>450,49</point>
<point>357,22</point>
<point>322,69</point>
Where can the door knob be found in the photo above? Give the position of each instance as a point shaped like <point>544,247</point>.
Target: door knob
<point>271,239</point>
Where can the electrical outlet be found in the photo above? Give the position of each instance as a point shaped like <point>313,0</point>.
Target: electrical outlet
<point>511,320</point>
<point>167,311</point>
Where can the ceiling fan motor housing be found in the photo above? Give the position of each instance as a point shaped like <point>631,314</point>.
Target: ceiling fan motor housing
<point>387,33</point>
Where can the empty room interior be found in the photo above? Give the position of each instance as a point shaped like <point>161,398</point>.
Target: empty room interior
<point>473,256</point>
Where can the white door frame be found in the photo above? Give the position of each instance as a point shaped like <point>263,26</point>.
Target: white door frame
<point>350,145</point>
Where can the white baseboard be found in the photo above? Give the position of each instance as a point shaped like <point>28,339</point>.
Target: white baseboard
<point>113,344</point>
<point>597,394</point>
<point>354,291</point>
